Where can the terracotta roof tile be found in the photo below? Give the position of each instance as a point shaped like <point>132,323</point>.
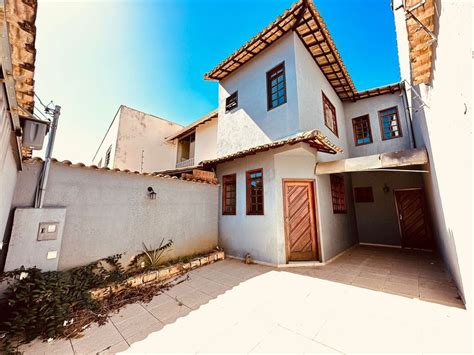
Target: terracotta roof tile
<point>115,170</point>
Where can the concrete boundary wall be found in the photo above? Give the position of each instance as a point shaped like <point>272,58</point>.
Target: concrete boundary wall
<point>110,212</point>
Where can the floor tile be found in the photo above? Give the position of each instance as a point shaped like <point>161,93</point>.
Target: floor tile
<point>97,338</point>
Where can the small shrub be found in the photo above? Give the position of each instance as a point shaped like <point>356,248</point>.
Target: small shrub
<point>150,259</point>
<point>40,304</point>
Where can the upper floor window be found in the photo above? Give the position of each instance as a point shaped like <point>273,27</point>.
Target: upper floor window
<point>107,156</point>
<point>338,194</point>
<point>362,131</point>
<point>229,194</point>
<point>232,102</point>
<point>276,86</point>
<point>390,123</point>
<point>330,119</point>
<point>254,192</point>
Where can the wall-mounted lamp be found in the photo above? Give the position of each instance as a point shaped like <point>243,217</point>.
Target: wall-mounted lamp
<point>151,193</point>
<point>385,188</point>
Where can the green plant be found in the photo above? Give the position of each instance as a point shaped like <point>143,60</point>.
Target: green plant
<point>152,257</point>
<point>40,304</point>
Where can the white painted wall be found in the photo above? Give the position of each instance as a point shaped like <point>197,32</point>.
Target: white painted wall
<point>110,212</point>
<point>444,126</point>
<point>255,234</point>
<point>8,165</point>
<point>139,132</point>
<point>250,124</point>
<point>372,106</point>
<point>138,142</point>
<point>377,222</point>
<point>311,83</point>
<point>109,140</point>
<point>206,141</point>
<point>264,236</point>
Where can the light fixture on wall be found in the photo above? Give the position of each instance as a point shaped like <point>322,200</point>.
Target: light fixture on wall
<point>151,193</point>
<point>386,188</point>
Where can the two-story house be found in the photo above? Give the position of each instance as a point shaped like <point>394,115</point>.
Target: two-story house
<point>137,141</point>
<point>308,165</point>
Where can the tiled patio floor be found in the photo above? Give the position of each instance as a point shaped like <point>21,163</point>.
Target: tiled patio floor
<point>368,300</point>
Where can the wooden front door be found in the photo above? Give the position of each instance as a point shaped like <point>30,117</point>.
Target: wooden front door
<point>413,220</point>
<point>300,224</point>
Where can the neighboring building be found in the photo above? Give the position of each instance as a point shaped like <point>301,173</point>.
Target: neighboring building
<point>435,53</point>
<point>196,142</point>
<point>17,59</point>
<point>308,165</point>
<point>137,141</point>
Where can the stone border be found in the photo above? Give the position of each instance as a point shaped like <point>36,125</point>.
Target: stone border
<point>157,275</point>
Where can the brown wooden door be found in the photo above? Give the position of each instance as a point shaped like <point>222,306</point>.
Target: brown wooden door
<point>300,223</point>
<point>414,226</point>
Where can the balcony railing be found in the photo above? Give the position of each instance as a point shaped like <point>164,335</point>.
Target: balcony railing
<point>185,163</point>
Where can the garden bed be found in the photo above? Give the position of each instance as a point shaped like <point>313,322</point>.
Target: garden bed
<point>160,275</point>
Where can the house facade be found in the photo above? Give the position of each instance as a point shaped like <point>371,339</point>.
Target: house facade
<point>137,141</point>
<point>308,165</point>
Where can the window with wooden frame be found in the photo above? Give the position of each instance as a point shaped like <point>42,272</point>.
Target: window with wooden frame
<point>254,182</point>
<point>232,102</point>
<point>229,190</point>
<point>363,194</point>
<point>390,123</point>
<point>362,131</point>
<point>330,119</point>
<point>338,194</point>
<point>276,87</point>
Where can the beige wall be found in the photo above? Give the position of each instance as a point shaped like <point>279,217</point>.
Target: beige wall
<point>110,212</point>
<point>138,142</point>
<point>442,122</point>
<point>206,141</point>
<point>140,132</point>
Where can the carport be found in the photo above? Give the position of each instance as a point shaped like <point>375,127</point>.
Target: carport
<point>388,196</point>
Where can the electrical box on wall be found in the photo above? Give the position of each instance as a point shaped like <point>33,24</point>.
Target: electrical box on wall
<point>48,231</point>
<point>34,132</point>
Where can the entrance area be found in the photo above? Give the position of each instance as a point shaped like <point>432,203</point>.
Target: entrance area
<point>300,221</point>
<point>413,219</point>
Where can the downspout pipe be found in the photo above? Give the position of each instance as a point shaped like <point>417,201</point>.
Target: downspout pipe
<point>406,106</point>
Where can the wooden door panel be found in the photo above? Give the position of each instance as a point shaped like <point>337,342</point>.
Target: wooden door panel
<point>300,220</point>
<point>414,224</point>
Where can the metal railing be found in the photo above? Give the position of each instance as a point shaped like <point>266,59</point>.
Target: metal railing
<point>185,163</point>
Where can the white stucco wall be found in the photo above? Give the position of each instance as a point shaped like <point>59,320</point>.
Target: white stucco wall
<point>444,126</point>
<point>377,222</point>
<point>109,140</point>
<point>372,106</point>
<point>110,212</point>
<point>250,124</point>
<point>206,141</point>
<point>254,234</point>
<point>311,83</point>
<point>264,236</point>
<point>8,165</point>
<point>140,133</point>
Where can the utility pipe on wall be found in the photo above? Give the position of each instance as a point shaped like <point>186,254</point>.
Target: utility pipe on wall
<point>39,199</point>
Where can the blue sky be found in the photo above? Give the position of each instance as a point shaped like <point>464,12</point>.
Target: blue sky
<point>93,56</point>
